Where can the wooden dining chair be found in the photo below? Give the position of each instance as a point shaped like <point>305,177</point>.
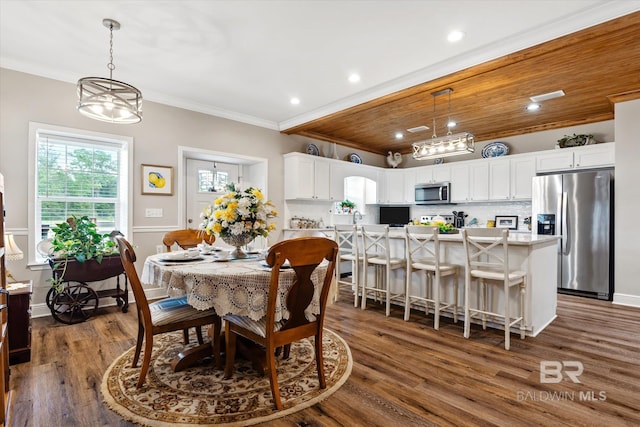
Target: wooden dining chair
<point>167,315</point>
<point>187,238</point>
<point>304,255</point>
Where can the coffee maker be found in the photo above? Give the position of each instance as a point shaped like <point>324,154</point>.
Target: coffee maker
<point>458,219</point>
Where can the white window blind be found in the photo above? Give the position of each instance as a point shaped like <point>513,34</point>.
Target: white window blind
<point>80,175</point>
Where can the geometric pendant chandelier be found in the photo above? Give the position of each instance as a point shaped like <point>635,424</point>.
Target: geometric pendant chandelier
<point>109,100</point>
<point>443,146</point>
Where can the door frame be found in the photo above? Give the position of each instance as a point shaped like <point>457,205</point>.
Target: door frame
<point>185,153</point>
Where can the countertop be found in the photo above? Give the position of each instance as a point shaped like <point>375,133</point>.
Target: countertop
<point>517,238</point>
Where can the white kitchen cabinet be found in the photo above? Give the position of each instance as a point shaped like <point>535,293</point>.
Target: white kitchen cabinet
<point>499,179</point>
<point>306,177</point>
<point>460,183</point>
<point>394,187</point>
<point>510,178</point>
<point>432,174</point>
<point>470,182</point>
<point>523,169</point>
<point>479,185</point>
<point>338,173</point>
<point>589,156</point>
<point>409,185</point>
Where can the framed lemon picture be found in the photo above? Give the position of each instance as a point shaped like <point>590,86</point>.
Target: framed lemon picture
<point>157,180</point>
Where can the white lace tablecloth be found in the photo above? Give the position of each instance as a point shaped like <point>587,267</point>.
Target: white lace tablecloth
<point>237,287</point>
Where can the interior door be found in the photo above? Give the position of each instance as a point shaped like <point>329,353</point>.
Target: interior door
<point>206,180</point>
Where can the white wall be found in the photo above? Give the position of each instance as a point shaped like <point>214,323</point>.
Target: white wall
<point>26,98</point>
<point>627,204</point>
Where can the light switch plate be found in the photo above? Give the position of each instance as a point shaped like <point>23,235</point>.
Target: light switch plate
<point>153,213</point>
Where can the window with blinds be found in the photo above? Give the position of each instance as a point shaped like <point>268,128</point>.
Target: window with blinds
<point>78,174</point>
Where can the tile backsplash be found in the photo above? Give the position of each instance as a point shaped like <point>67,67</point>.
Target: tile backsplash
<point>481,211</point>
<point>323,212</point>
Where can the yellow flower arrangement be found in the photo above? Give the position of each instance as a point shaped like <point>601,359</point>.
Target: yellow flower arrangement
<point>239,213</point>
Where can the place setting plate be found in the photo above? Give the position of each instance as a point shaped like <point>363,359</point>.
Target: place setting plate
<point>181,256</point>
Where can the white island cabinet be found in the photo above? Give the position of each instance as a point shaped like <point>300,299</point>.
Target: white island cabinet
<point>536,255</point>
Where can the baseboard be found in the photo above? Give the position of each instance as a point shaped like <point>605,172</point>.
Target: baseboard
<point>626,299</point>
<point>41,310</point>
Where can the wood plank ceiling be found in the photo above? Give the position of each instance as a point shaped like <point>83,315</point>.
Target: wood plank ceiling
<point>489,99</point>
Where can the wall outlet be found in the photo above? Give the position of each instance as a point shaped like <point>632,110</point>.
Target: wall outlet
<point>153,213</point>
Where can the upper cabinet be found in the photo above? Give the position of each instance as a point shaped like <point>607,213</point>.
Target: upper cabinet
<point>306,177</point>
<point>510,178</point>
<point>432,174</point>
<point>398,186</point>
<point>470,181</point>
<point>500,179</point>
<point>495,179</point>
<point>338,172</point>
<point>523,169</point>
<point>588,156</point>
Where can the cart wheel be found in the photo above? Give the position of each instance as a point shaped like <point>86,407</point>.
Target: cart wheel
<point>74,304</point>
<point>49,298</point>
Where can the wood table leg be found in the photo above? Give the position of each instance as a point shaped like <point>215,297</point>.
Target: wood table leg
<point>246,349</point>
<point>186,358</point>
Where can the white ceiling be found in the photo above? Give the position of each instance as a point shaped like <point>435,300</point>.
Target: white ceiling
<point>244,60</point>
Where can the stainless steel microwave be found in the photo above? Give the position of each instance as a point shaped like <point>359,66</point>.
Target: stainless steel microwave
<point>433,194</point>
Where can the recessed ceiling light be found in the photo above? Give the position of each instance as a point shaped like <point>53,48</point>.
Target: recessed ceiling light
<point>399,135</point>
<point>533,107</point>
<point>451,124</point>
<point>295,101</point>
<point>354,78</point>
<point>455,36</point>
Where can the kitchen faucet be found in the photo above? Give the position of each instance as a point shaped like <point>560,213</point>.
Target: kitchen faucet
<point>355,221</point>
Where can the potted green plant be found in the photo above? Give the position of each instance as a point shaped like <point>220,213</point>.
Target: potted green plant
<point>76,248</point>
<point>347,206</point>
<point>576,140</point>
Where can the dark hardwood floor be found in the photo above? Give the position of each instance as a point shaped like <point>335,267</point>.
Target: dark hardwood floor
<point>404,373</point>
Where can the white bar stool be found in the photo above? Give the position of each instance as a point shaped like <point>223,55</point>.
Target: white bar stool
<point>487,260</point>
<point>378,255</point>
<point>346,236</point>
<point>422,247</point>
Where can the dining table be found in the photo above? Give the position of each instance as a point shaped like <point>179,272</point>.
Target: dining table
<point>230,286</point>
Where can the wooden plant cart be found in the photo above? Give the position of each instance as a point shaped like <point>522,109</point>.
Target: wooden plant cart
<point>77,301</point>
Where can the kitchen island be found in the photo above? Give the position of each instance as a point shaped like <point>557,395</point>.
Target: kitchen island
<point>535,255</point>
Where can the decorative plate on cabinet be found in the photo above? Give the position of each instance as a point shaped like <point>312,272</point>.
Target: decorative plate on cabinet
<point>313,150</point>
<point>354,158</point>
<point>495,149</point>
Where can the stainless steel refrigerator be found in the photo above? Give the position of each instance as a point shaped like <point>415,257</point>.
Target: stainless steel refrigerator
<point>578,207</point>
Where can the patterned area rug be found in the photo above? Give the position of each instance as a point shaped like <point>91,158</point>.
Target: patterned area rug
<point>201,396</point>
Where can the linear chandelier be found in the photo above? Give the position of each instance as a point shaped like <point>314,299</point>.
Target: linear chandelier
<point>109,100</point>
<point>444,146</point>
